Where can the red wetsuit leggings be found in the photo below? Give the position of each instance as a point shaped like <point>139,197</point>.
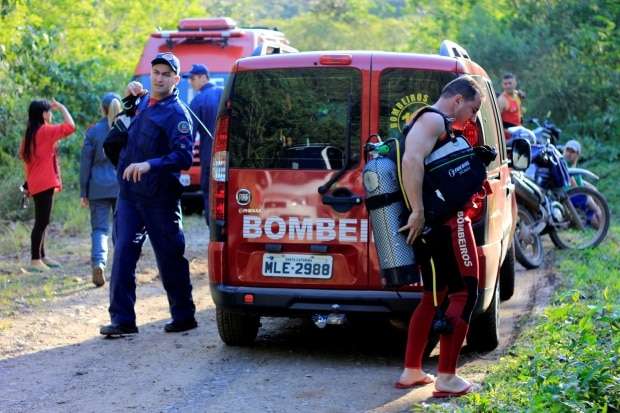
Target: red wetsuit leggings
<point>453,251</point>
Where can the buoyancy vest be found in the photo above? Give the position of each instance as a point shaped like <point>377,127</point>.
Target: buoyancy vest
<point>453,172</point>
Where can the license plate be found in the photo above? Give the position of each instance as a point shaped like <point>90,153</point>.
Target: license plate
<point>185,180</point>
<point>297,265</point>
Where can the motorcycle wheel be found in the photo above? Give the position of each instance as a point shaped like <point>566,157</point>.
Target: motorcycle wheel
<point>528,246</point>
<point>565,234</point>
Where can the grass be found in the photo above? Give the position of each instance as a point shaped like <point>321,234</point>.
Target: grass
<point>19,289</point>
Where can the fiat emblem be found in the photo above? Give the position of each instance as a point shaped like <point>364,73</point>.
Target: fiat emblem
<point>244,196</point>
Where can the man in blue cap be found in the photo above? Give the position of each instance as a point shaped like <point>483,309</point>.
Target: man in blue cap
<point>159,145</point>
<point>204,105</point>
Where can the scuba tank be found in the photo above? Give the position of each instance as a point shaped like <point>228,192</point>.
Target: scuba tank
<point>388,213</point>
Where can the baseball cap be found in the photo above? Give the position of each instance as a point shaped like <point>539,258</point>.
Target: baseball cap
<point>574,145</point>
<point>108,98</point>
<point>168,59</point>
<point>197,69</point>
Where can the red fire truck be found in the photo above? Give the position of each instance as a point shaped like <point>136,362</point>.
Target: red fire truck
<point>216,43</point>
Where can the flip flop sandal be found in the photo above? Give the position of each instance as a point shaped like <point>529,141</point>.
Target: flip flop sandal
<point>422,382</point>
<point>442,394</point>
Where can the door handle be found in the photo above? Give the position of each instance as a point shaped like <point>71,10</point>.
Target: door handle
<point>336,201</point>
<point>342,199</point>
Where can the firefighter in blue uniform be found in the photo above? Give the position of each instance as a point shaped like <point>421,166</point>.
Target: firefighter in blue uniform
<point>204,105</point>
<point>159,146</point>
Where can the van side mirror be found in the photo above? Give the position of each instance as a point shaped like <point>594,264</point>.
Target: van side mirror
<point>521,154</point>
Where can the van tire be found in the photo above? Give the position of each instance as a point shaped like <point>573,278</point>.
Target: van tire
<point>236,329</point>
<point>507,275</point>
<point>483,334</point>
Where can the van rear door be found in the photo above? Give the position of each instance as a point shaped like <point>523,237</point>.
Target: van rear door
<point>290,130</point>
<point>400,85</point>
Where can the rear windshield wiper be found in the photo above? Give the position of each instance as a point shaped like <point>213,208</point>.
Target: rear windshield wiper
<point>347,154</point>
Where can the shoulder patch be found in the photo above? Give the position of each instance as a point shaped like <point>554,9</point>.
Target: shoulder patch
<point>183,127</point>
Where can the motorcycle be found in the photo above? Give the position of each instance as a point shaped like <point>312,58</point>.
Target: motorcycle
<point>573,216</point>
<point>545,131</point>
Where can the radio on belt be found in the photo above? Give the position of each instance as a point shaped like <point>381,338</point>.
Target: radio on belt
<point>388,213</point>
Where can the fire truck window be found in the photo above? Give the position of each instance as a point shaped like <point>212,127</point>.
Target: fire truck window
<point>404,91</point>
<point>295,118</point>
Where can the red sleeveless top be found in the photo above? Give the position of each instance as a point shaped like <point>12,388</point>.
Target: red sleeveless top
<point>512,113</point>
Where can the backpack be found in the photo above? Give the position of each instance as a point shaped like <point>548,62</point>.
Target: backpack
<point>453,172</point>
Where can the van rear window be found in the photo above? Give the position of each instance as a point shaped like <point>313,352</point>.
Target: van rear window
<point>403,92</point>
<point>294,118</point>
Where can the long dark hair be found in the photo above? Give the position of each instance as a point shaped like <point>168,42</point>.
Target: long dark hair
<point>35,120</point>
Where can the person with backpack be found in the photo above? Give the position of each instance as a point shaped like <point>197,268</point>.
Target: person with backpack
<point>98,185</point>
<point>446,251</point>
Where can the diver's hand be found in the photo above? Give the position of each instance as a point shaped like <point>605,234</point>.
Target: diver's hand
<point>415,225</point>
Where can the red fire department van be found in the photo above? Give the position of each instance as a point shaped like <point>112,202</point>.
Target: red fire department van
<point>290,124</point>
<point>216,43</point>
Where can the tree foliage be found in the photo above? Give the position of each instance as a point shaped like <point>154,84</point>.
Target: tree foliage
<point>565,53</point>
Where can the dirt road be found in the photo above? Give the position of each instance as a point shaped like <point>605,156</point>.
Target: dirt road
<point>53,360</point>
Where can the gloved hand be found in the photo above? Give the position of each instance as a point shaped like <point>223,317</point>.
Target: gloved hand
<point>486,153</point>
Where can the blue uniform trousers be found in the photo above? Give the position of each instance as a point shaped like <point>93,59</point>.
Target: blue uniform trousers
<point>163,224</point>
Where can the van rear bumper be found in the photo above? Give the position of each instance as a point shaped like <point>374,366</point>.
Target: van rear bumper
<point>297,301</point>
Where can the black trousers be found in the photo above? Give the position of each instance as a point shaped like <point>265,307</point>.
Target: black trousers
<point>43,202</point>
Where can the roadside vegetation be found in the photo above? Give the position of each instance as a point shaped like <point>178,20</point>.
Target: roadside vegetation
<point>77,56</point>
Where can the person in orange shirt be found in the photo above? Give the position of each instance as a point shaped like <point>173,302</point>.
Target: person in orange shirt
<point>510,102</point>
<point>38,151</point>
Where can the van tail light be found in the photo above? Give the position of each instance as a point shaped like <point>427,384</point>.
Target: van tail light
<point>220,201</point>
<point>219,178</point>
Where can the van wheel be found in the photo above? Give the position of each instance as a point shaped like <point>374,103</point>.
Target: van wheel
<point>237,329</point>
<point>483,334</point>
<point>507,275</point>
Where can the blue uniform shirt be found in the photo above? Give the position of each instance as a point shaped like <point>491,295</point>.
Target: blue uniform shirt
<point>162,136</point>
<point>205,105</point>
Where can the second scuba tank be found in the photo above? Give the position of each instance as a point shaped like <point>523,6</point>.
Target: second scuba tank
<point>385,204</point>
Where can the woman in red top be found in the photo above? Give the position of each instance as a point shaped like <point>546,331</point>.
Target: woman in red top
<point>38,151</point>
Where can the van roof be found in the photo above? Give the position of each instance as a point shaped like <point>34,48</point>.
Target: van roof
<point>380,60</point>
